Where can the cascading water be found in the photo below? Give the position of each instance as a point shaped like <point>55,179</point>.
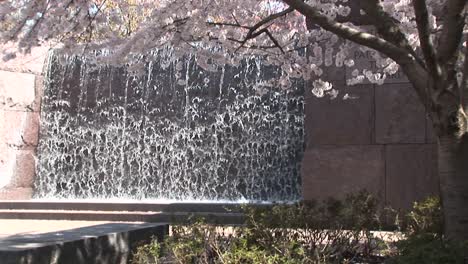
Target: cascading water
<point>160,135</point>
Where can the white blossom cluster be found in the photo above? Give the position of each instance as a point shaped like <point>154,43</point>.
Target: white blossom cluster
<point>217,31</point>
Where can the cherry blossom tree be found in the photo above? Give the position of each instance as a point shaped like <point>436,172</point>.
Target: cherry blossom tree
<point>426,39</point>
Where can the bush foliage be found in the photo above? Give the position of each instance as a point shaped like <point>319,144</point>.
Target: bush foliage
<point>331,231</point>
<point>425,243</point>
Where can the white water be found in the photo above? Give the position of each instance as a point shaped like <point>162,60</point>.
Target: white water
<point>171,134</point>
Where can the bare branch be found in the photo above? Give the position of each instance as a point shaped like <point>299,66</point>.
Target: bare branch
<point>256,34</point>
<point>424,30</point>
<point>274,40</point>
<point>253,33</point>
<point>269,19</point>
<point>452,30</point>
<point>38,21</point>
<point>228,24</point>
<point>89,28</point>
<point>235,19</point>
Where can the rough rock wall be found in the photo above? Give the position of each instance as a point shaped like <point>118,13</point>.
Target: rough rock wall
<point>20,96</point>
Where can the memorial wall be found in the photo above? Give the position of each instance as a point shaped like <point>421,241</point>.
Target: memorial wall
<point>380,140</point>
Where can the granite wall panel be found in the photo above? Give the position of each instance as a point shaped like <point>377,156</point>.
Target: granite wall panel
<point>338,121</point>
<point>348,141</point>
<point>431,136</point>
<point>334,171</point>
<point>400,116</point>
<point>410,173</point>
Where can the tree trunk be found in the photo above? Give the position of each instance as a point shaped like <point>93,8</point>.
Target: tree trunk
<point>453,175</point>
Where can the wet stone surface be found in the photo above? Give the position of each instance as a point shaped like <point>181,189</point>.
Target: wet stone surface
<point>175,132</point>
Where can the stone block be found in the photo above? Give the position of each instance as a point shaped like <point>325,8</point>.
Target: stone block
<point>19,128</point>
<point>17,91</point>
<point>411,174</point>
<point>32,62</point>
<point>331,171</point>
<point>7,166</point>
<point>335,75</point>
<point>338,121</point>
<point>17,167</point>
<point>25,170</point>
<point>16,193</point>
<point>5,174</point>
<point>364,59</point>
<point>332,73</point>
<point>400,116</point>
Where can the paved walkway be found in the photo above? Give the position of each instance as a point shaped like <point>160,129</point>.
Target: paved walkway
<point>15,227</point>
<point>77,242</point>
<point>24,234</point>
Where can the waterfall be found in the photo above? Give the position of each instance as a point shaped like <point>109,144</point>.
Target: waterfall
<point>175,132</point>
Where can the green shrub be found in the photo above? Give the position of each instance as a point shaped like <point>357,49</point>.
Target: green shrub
<point>429,249</point>
<point>257,255</point>
<point>356,211</point>
<point>147,253</point>
<point>196,243</point>
<point>332,231</point>
<point>426,217</point>
<point>425,243</point>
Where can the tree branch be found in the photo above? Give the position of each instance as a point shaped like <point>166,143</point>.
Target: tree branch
<point>268,19</point>
<point>415,72</point>
<point>398,54</point>
<point>464,83</point>
<point>274,40</point>
<point>424,32</point>
<point>253,33</point>
<point>37,21</point>
<point>387,27</point>
<point>16,31</point>
<point>227,24</point>
<point>452,30</point>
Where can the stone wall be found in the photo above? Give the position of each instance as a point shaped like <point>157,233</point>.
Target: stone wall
<point>381,141</point>
<point>20,95</point>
